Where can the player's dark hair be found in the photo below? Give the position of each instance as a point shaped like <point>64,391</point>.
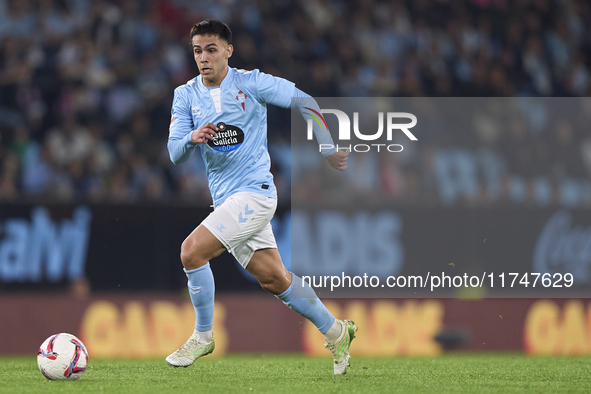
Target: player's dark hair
<point>212,27</point>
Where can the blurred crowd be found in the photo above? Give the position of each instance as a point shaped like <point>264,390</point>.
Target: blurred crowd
<point>86,86</point>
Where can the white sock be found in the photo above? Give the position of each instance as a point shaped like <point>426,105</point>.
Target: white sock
<point>205,336</point>
<point>334,332</point>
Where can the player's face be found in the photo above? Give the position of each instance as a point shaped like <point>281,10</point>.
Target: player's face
<point>211,54</point>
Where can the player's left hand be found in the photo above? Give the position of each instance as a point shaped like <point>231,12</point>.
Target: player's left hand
<point>338,160</point>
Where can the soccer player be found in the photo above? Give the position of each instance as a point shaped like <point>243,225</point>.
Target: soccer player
<point>223,112</point>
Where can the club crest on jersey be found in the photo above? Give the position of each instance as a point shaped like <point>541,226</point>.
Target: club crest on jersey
<point>241,98</point>
<point>195,110</point>
<point>229,138</point>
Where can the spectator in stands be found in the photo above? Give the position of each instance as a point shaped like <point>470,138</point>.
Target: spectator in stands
<point>66,63</point>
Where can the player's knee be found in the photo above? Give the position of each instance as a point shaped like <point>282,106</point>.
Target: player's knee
<point>274,284</point>
<point>189,256</point>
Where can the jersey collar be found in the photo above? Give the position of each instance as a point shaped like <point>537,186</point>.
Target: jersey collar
<point>225,82</point>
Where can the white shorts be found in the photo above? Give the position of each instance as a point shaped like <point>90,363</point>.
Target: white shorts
<point>242,224</point>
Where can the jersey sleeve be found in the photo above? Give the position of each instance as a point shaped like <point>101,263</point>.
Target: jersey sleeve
<point>310,110</point>
<point>268,89</point>
<point>180,146</point>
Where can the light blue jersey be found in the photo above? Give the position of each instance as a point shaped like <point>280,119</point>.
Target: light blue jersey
<point>238,159</point>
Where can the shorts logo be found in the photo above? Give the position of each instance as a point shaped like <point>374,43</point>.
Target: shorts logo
<point>221,227</point>
<point>247,212</point>
<point>229,138</point>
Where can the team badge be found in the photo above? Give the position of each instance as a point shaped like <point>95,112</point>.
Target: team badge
<point>195,109</point>
<point>241,98</point>
<point>229,138</point>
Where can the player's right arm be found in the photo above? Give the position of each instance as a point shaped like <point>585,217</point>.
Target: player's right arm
<point>182,139</point>
<point>180,143</point>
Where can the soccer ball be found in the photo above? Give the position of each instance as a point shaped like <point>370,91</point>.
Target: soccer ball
<point>62,356</point>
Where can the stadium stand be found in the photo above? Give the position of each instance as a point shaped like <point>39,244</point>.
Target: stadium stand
<point>95,79</point>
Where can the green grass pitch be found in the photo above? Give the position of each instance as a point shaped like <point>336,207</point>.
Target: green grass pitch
<point>470,373</point>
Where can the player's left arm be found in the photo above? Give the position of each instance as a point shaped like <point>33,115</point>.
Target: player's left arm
<point>279,92</point>
<point>309,109</point>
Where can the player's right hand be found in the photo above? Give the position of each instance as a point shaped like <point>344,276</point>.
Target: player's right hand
<point>204,133</point>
